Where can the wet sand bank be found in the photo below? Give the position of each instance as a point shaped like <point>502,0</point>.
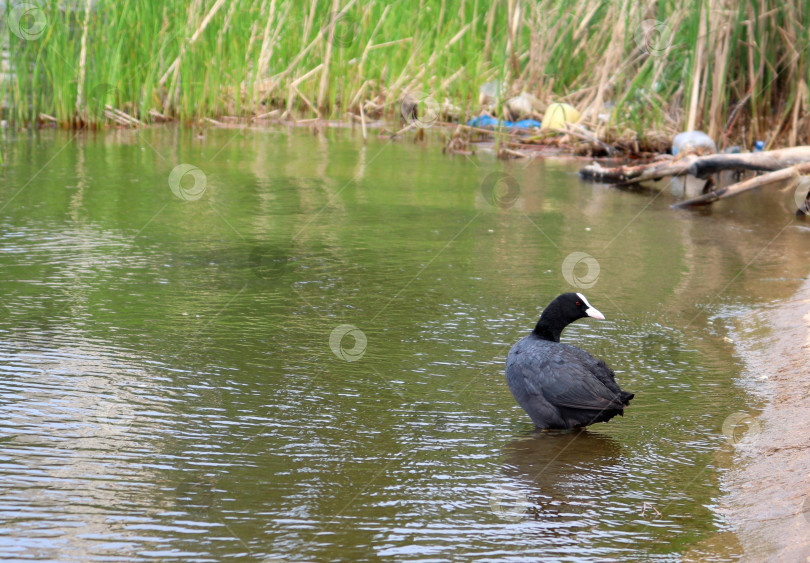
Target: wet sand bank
<point>768,494</point>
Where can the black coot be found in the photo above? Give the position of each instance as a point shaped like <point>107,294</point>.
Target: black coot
<point>559,385</point>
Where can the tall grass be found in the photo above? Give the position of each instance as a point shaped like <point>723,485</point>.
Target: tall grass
<point>637,71</point>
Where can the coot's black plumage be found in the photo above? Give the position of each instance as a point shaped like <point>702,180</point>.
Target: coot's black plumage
<point>559,385</point>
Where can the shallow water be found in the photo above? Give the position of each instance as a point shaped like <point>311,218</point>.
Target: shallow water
<point>175,386</point>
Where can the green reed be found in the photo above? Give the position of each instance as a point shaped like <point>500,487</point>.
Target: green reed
<point>736,69</point>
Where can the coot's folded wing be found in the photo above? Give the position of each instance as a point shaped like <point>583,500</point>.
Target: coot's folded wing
<point>564,376</point>
<point>596,366</point>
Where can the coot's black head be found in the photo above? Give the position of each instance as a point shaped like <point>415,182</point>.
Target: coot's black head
<point>572,306</point>
<point>561,312</point>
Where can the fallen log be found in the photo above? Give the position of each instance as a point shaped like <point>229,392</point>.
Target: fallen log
<point>705,166</point>
<point>667,166</point>
<point>699,166</point>
<point>785,174</point>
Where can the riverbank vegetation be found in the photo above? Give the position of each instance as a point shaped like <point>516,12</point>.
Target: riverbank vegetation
<point>636,71</point>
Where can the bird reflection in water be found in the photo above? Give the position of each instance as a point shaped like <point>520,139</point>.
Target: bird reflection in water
<point>565,471</point>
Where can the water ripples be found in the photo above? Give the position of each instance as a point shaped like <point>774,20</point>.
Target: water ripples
<point>170,393</point>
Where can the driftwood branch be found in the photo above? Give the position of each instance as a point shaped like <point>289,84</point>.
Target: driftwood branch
<point>779,176</point>
<point>779,166</point>
<point>667,166</point>
<point>699,166</point>
<point>705,166</point>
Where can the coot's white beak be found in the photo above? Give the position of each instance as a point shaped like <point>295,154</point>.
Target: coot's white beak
<point>591,312</point>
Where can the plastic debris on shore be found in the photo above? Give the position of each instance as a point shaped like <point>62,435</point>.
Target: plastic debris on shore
<point>523,106</point>
<point>487,121</point>
<point>693,142</point>
<point>488,93</point>
<point>517,107</point>
<point>557,115</point>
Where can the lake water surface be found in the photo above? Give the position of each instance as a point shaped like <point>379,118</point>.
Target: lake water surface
<point>300,358</point>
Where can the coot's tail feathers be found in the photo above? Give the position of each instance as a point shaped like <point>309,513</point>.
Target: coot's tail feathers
<point>605,415</point>
<point>625,399</point>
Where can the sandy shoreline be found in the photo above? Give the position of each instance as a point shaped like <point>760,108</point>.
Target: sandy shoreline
<point>768,493</point>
